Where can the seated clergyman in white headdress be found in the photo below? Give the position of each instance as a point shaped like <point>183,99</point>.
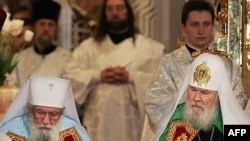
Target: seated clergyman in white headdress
<point>44,110</point>
<point>205,103</point>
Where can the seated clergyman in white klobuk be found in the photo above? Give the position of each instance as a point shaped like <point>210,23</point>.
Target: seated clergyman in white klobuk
<point>44,109</point>
<point>205,104</point>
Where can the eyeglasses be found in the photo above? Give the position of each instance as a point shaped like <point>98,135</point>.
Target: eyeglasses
<point>40,114</point>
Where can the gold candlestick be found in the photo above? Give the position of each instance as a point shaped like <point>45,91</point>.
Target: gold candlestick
<point>223,17</point>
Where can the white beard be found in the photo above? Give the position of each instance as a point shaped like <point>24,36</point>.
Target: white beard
<point>37,134</point>
<point>203,121</point>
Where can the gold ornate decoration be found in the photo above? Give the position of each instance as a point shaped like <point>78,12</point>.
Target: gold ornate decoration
<point>182,137</point>
<point>70,134</point>
<point>212,50</point>
<point>223,17</point>
<point>15,137</point>
<point>202,74</point>
<point>181,131</point>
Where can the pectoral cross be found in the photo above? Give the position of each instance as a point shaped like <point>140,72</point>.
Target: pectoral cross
<point>51,85</point>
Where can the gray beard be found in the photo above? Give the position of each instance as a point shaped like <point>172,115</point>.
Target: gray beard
<point>43,135</point>
<point>45,41</point>
<point>204,121</point>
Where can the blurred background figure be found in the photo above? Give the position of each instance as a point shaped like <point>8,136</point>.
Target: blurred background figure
<point>110,72</point>
<point>44,57</point>
<point>23,13</point>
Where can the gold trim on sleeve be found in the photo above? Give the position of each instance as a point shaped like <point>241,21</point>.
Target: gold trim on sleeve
<point>70,133</point>
<point>181,131</point>
<point>15,137</point>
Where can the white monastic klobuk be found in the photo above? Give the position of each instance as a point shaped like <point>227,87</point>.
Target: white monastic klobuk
<point>43,91</point>
<point>232,113</point>
<point>48,92</point>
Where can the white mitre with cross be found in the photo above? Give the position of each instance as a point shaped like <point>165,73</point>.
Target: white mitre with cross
<point>43,91</point>
<point>48,92</point>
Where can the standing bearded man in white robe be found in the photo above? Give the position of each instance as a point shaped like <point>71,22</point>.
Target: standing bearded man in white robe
<point>44,57</point>
<point>110,72</point>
